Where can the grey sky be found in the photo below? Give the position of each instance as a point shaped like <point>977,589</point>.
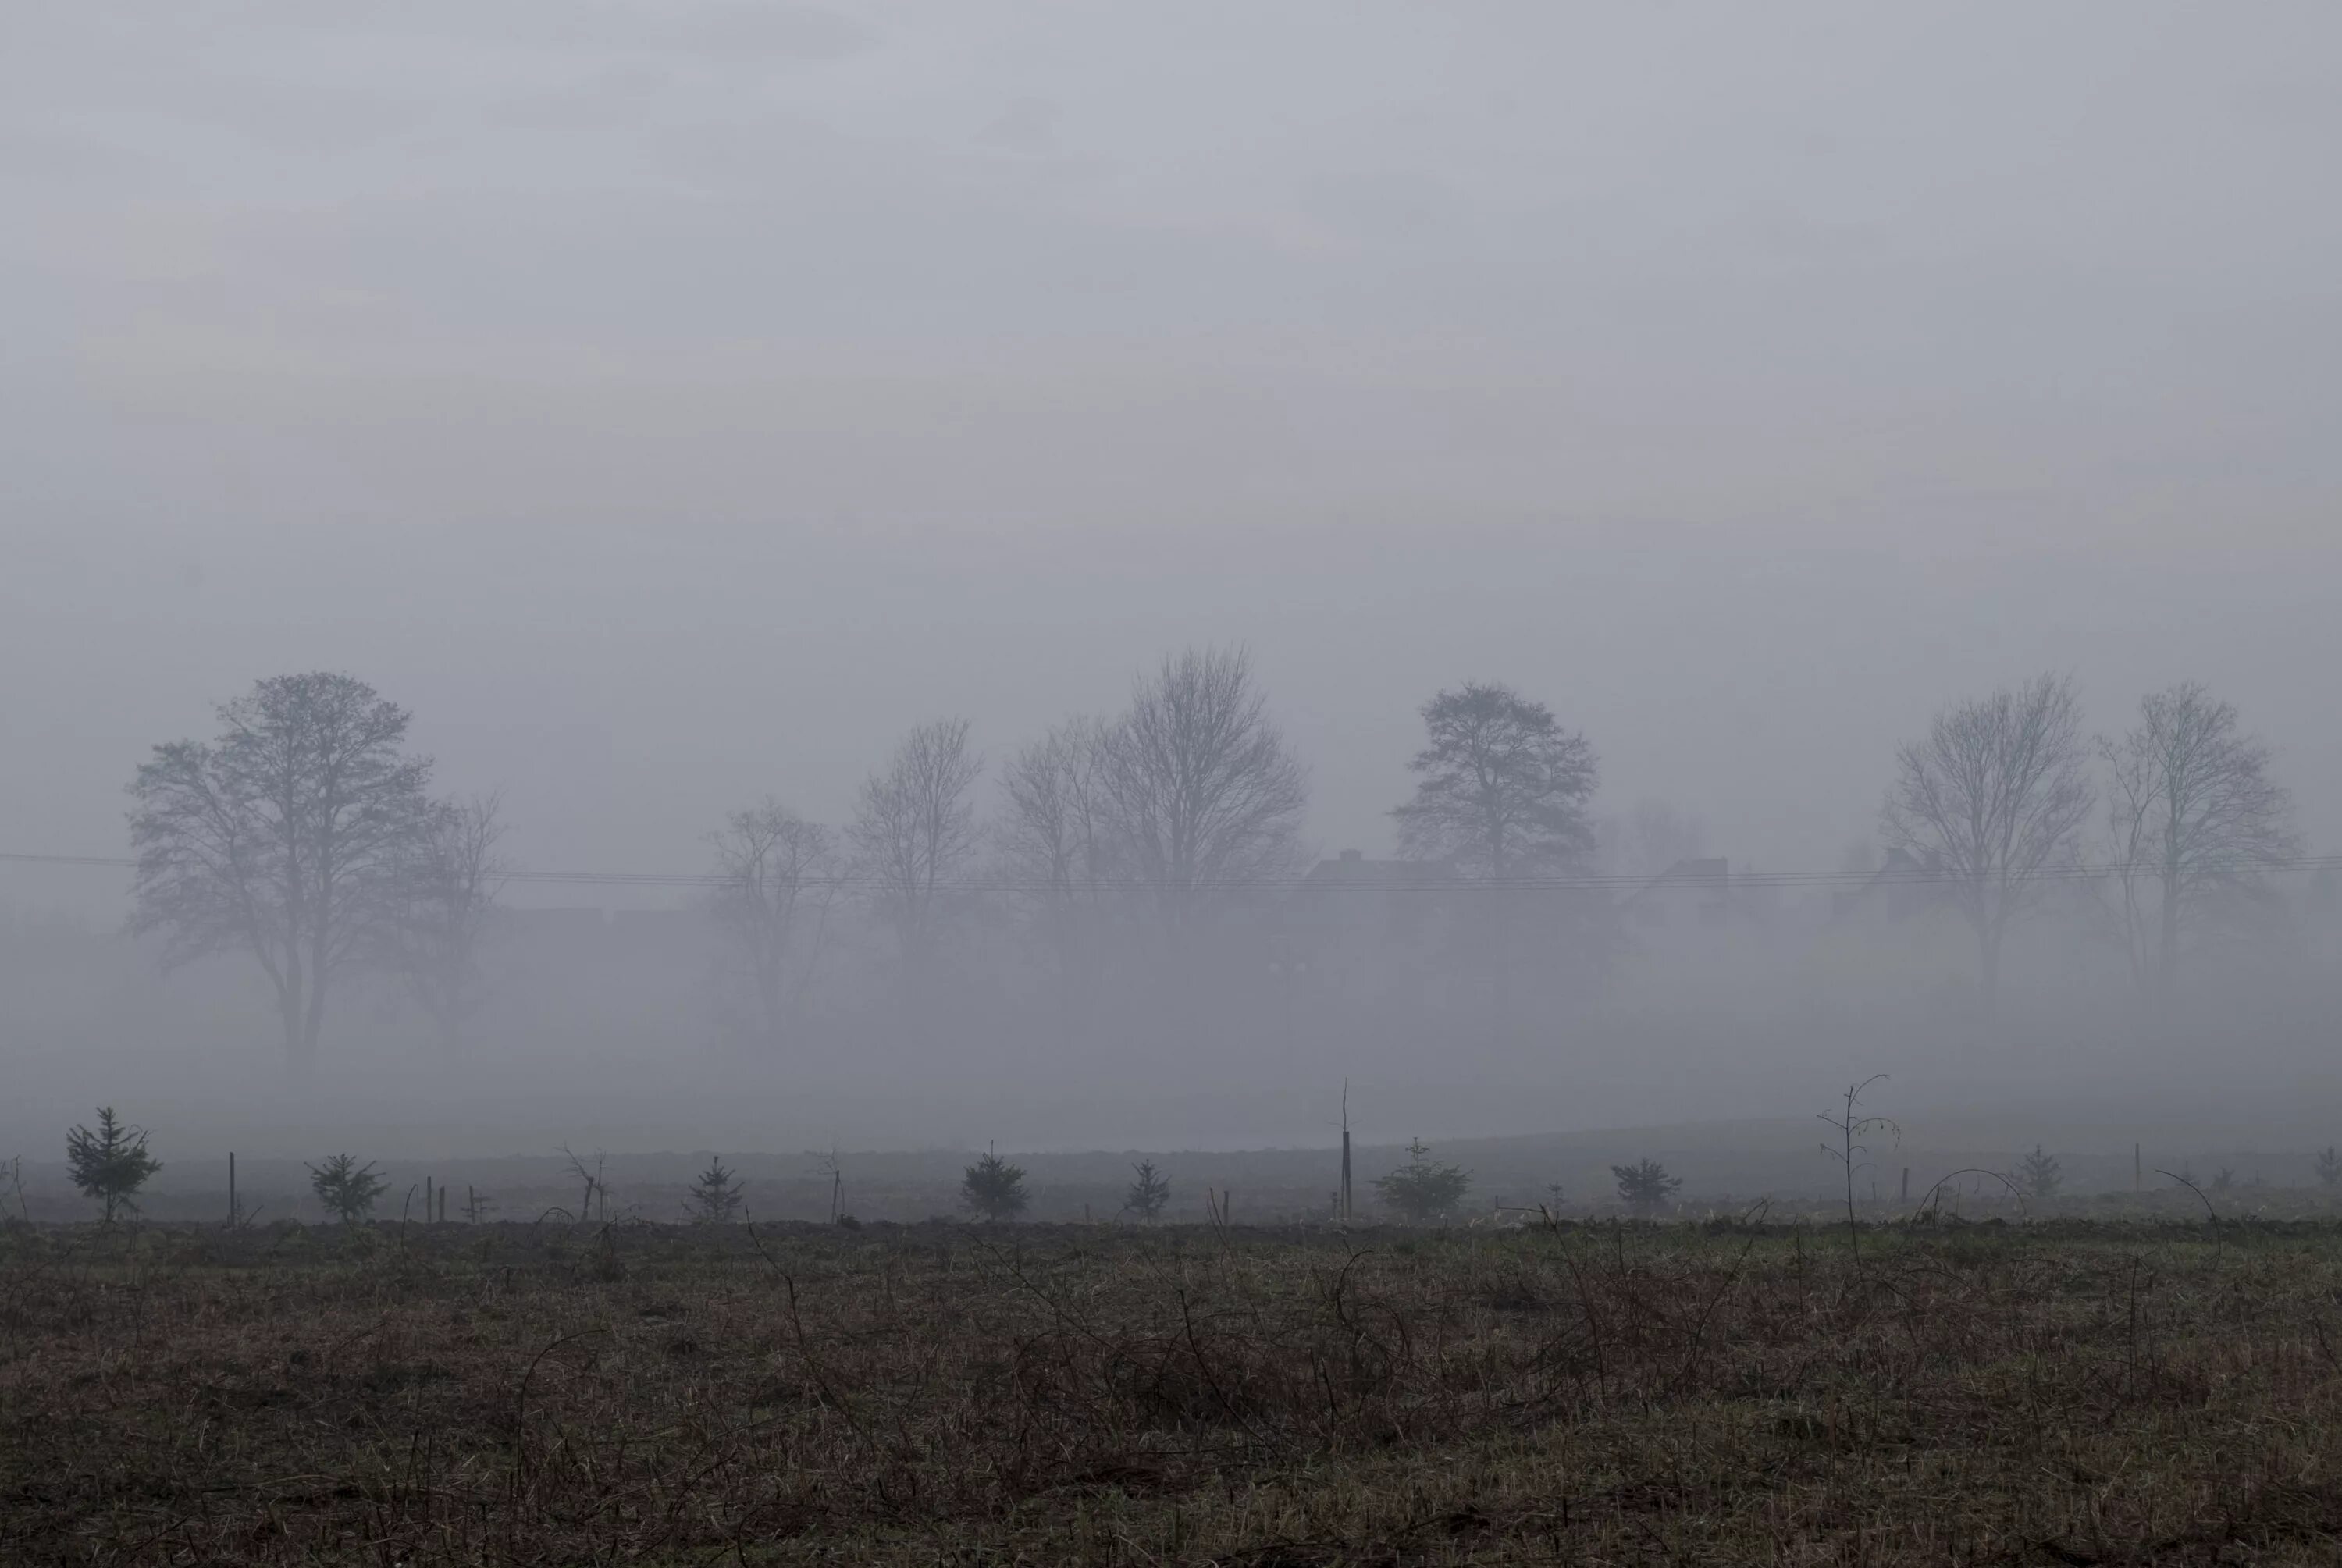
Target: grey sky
<point>675,402</point>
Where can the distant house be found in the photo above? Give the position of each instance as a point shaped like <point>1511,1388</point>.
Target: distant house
<point>620,935</point>
<point>1351,869</point>
<point>1903,885</point>
<point>1384,897</point>
<point>1695,892</point>
<point>1356,926</point>
<point>682,934</point>
<point>553,930</point>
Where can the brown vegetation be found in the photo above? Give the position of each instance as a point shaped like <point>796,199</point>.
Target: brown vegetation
<point>665,1394</point>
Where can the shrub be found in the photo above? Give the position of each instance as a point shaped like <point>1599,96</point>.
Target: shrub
<point>994,1188</point>
<point>110,1164</point>
<point>347,1189</point>
<point>1149,1193</point>
<point>2329,1166</point>
<point>1646,1185</point>
<point>1423,1189</point>
<point>2039,1175</point>
<point>716,1197</point>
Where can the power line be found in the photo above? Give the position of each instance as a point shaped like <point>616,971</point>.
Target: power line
<point>1370,882</point>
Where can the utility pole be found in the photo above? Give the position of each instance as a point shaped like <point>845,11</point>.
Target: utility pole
<point>1345,1151</point>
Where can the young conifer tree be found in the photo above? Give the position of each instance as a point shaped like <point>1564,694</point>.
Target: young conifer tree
<point>110,1164</point>
<point>715,1196</point>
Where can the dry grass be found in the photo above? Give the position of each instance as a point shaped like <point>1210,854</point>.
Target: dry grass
<point>946,1395</point>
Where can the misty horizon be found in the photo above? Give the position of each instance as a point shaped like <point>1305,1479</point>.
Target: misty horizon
<point>674,406</point>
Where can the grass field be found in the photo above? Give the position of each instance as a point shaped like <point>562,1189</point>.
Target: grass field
<point>2065,1392</point>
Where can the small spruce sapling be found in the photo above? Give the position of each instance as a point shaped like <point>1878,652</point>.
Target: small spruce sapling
<point>1423,1188</point>
<point>994,1188</point>
<point>1646,1185</point>
<point>1148,1196</point>
<point>346,1189</point>
<point>110,1164</point>
<point>2039,1174</point>
<point>715,1196</point>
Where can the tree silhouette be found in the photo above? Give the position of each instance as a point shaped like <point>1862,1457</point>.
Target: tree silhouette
<point>1149,1193</point>
<point>347,1190</point>
<point>1501,787</point>
<point>1993,798</point>
<point>110,1164</point>
<point>2039,1174</point>
<point>715,1196</point>
<point>994,1188</point>
<point>1646,1185</point>
<point>287,837</point>
<point>1423,1188</point>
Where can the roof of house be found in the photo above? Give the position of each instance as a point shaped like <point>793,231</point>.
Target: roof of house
<point>1708,874</point>
<point>1351,867</point>
<point>1899,871</point>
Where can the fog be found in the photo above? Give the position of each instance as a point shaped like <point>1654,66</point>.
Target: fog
<point>673,405</point>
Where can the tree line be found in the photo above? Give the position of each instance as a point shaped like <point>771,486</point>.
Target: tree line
<point>1996,800</point>
<point>307,836</point>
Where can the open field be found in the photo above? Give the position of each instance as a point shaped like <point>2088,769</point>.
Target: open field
<point>2066,1392</point>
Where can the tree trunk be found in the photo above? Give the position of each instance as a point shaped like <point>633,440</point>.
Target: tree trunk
<point>2166,957</point>
<point>312,1023</point>
<point>1988,972</point>
<point>290,1011</point>
<point>770,997</point>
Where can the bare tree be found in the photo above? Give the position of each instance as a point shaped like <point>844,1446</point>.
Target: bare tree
<point>2193,815</point>
<point>1056,835</point>
<point>916,830</point>
<point>1994,797</point>
<point>1206,796</point>
<point>779,876</point>
<point>1501,787</point>
<point>283,838</point>
<point>447,894</point>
